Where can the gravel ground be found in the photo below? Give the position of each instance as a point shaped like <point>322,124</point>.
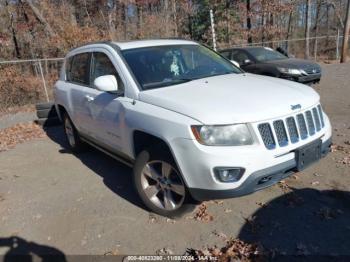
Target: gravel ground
<point>85,204</point>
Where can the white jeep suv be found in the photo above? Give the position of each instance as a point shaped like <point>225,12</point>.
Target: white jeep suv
<point>192,125</point>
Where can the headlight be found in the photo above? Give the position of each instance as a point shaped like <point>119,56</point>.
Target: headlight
<point>226,135</point>
<point>289,71</point>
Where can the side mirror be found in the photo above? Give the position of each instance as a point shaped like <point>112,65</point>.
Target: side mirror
<point>247,62</point>
<point>106,83</point>
<point>235,63</point>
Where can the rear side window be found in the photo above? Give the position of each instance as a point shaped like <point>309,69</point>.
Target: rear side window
<point>78,69</point>
<point>226,54</point>
<point>239,56</point>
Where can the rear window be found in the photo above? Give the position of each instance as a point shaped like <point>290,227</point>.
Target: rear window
<point>78,69</point>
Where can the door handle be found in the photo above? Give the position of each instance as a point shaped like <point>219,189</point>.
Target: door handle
<point>89,98</point>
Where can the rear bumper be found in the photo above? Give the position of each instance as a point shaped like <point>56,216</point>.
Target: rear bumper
<point>256,181</point>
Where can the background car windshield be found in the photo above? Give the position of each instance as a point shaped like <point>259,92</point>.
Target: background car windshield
<point>162,66</point>
<point>266,54</point>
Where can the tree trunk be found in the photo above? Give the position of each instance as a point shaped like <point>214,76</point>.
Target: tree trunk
<point>13,32</point>
<point>166,10</point>
<point>346,35</point>
<point>249,22</point>
<point>289,29</point>
<point>40,18</point>
<point>175,19</point>
<point>307,29</point>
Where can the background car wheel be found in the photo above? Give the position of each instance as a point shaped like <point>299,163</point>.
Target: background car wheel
<point>72,135</point>
<point>160,184</point>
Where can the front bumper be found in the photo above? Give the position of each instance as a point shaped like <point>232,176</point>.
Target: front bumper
<point>256,181</point>
<point>314,78</point>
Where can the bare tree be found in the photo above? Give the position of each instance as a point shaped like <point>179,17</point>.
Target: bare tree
<point>249,22</point>
<point>307,29</point>
<point>40,17</point>
<point>346,35</point>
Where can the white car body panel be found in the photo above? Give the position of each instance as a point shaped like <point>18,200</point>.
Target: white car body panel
<point>234,98</point>
<point>168,113</point>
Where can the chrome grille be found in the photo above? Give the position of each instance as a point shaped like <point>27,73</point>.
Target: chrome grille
<point>317,119</point>
<point>281,133</point>
<point>310,123</point>
<point>292,130</point>
<point>300,126</point>
<point>321,114</point>
<point>267,136</point>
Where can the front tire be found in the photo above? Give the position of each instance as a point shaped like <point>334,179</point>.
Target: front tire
<point>159,183</point>
<point>72,135</point>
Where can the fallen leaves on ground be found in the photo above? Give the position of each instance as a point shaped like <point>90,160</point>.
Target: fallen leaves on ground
<point>19,133</point>
<point>315,183</point>
<point>345,160</point>
<point>202,214</point>
<point>17,109</point>
<point>152,218</point>
<point>164,251</point>
<point>234,250</point>
<point>253,224</point>
<point>284,186</point>
<point>220,235</point>
<point>335,148</point>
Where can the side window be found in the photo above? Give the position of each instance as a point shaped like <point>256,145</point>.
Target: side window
<point>239,56</point>
<point>78,69</point>
<point>68,69</point>
<point>226,54</point>
<point>102,65</point>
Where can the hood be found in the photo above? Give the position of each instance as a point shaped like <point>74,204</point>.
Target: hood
<point>233,98</point>
<point>295,63</point>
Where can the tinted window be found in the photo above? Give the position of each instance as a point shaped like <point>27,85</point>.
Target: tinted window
<point>239,56</point>
<point>265,54</point>
<point>78,69</point>
<point>162,66</point>
<point>226,54</point>
<point>102,65</point>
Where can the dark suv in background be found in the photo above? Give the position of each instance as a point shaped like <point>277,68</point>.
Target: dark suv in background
<point>266,61</point>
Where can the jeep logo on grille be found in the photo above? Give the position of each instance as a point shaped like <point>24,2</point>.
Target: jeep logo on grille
<point>295,107</point>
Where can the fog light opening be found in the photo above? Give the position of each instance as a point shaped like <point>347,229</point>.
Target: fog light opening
<point>228,174</point>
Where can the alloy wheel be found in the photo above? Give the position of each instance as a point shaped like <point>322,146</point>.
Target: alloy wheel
<point>163,185</point>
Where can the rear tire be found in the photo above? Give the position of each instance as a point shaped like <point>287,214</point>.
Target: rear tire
<point>160,185</point>
<point>74,141</point>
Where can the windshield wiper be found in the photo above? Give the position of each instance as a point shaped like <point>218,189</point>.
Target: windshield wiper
<point>166,83</point>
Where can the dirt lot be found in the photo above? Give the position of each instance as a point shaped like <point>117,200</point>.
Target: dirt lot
<point>85,204</point>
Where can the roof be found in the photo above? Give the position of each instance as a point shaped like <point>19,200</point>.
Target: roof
<point>132,44</point>
<point>155,42</point>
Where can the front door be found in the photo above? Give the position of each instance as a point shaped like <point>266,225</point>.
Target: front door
<point>105,110</point>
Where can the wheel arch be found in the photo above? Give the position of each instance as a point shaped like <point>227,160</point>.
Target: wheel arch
<point>61,110</point>
<point>143,140</point>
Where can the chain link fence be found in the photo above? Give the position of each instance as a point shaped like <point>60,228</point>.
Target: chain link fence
<point>27,82</point>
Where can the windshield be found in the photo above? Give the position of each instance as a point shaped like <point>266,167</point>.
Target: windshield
<point>263,54</point>
<point>162,66</point>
